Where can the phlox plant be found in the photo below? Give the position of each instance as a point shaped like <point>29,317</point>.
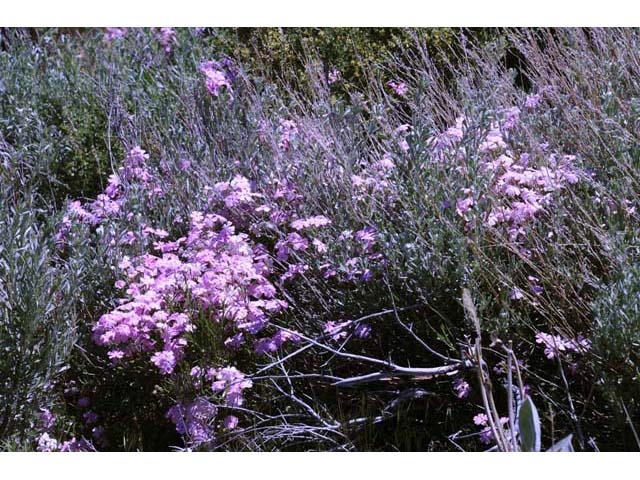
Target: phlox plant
<point>274,263</point>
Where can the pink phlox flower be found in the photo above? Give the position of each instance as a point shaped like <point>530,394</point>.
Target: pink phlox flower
<point>231,382</point>
<point>516,294</point>
<point>362,330</point>
<point>555,344</point>
<point>167,38</point>
<point>47,419</point>
<point>367,236</point>
<point>136,158</point>
<point>400,88</point>
<point>511,118</point>
<point>481,419</point>
<point>74,445</point>
<point>236,192</point>
<point>311,222</point>
<point>493,141</point>
<point>319,246</point>
<point>114,33</point>
<point>464,205</point>
<point>46,443</point>
<point>293,271</point>
<point>462,388</point>
<point>288,130</point>
<point>230,422</point>
<point>336,330</point>
<point>265,345</point>
<point>486,436</point>
<point>297,242</point>
<point>532,100</point>
<point>165,361</point>
<point>215,77</point>
<point>194,420</point>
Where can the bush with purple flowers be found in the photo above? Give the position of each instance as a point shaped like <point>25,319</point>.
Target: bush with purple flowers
<point>268,264</point>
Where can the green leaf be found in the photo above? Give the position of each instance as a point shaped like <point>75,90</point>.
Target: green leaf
<point>529,423</point>
<point>563,445</point>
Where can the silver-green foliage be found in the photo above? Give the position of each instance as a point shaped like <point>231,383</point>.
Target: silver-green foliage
<point>530,432</point>
<point>37,330</point>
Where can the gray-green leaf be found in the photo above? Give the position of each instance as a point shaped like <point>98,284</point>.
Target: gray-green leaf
<point>529,423</point>
<point>563,445</point>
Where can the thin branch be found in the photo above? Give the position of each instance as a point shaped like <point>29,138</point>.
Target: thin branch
<point>397,371</point>
<point>633,429</point>
<point>410,331</point>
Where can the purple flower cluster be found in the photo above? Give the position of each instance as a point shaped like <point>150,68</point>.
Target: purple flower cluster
<point>361,253</point>
<point>554,345</point>
<point>167,38</point>
<point>288,129</point>
<point>194,420</point>
<point>400,88</point>
<point>311,222</point>
<point>231,382</point>
<point>47,443</point>
<point>114,33</point>
<point>486,434</point>
<point>47,419</point>
<point>111,203</point>
<point>375,181</point>
<point>462,388</point>
<point>339,330</point>
<point>217,75</point>
<point>401,133</point>
<point>215,267</point>
<point>524,191</point>
<point>522,184</point>
<point>236,193</point>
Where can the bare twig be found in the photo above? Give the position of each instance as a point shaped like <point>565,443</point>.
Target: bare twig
<point>633,429</point>
<point>397,371</point>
